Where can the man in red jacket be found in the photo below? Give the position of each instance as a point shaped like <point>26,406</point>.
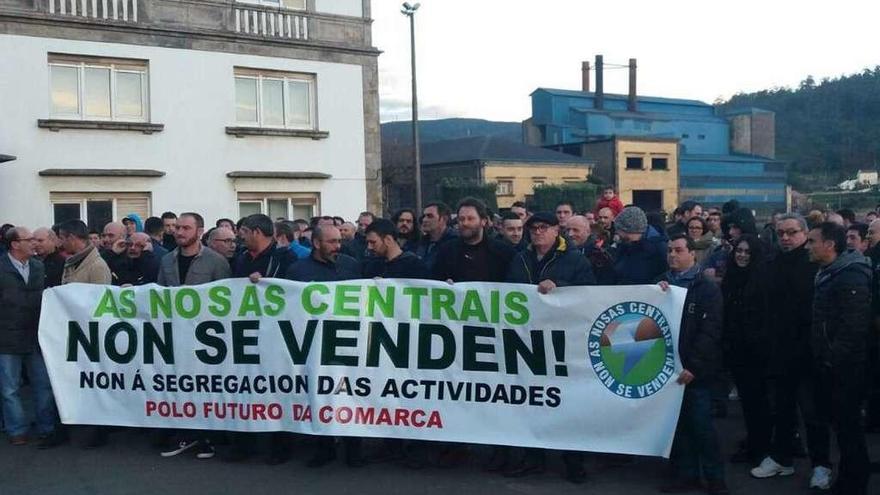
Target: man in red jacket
<point>609,199</point>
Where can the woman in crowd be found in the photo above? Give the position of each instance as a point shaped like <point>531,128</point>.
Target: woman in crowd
<point>745,343</point>
<point>702,236</point>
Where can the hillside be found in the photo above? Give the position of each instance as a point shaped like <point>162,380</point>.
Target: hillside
<point>439,130</point>
<point>826,130</point>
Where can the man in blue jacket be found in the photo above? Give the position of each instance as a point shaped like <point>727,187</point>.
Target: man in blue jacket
<point>326,264</point>
<point>640,255</point>
<point>696,449</point>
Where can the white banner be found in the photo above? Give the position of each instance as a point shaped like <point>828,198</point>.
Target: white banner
<point>583,368</point>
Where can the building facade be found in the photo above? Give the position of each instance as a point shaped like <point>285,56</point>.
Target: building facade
<point>719,156</point>
<point>225,108</point>
<point>515,168</point>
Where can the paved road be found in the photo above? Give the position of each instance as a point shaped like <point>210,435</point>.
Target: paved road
<point>128,465</point>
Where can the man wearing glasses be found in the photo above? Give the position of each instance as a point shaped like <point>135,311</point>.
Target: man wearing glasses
<point>791,277</point>
<point>21,288</point>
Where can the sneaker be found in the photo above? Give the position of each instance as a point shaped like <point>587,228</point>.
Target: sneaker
<point>181,447</point>
<point>821,479</point>
<point>770,468</point>
<point>205,450</point>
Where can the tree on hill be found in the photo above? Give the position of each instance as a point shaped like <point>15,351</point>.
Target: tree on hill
<point>826,130</point>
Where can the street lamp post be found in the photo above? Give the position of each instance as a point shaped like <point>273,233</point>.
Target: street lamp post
<point>410,11</point>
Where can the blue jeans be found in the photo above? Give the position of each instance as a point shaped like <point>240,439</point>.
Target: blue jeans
<point>14,416</point>
<point>696,447</point>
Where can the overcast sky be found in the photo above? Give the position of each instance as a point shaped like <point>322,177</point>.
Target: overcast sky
<point>482,58</point>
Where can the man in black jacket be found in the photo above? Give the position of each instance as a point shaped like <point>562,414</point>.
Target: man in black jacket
<point>696,447</point>
<point>22,280</point>
<point>873,252</point>
<point>549,261</point>
<point>262,256</point>
<point>841,319</point>
<point>473,256</point>
<point>435,232</point>
<point>46,249</point>
<point>790,278</point>
<point>389,260</point>
<point>326,264</point>
<point>131,263</point>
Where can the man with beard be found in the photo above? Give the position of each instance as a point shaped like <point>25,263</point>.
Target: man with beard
<point>473,257</point>
<point>841,318</point>
<point>407,229</point>
<point>262,256</point>
<point>436,232</point>
<point>169,223</point>
<point>190,263</point>
<point>326,264</point>
<point>389,260</point>
<point>790,283</point>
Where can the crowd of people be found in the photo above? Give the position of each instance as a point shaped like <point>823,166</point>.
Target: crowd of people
<point>784,316</point>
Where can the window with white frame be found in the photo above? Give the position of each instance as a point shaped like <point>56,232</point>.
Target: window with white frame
<point>287,4</point>
<point>92,88</point>
<point>98,209</point>
<point>504,187</point>
<point>289,206</point>
<point>275,99</point>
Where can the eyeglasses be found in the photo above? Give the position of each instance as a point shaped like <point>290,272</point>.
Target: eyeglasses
<point>789,233</point>
<point>539,228</point>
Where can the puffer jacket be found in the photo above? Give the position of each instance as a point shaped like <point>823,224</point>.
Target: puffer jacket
<point>842,311</point>
<point>20,300</point>
<point>563,264</point>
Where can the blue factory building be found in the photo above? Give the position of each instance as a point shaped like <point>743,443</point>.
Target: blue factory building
<point>720,156</point>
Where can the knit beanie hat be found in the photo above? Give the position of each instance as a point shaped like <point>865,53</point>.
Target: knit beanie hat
<point>631,220</point>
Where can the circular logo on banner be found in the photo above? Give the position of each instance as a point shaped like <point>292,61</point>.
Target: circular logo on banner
<point>630,348</point>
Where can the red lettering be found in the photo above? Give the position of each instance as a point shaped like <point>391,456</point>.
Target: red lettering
<point>364,415</point>
<point>259,411</point>
<point>343,415</point>
<point>434,420</point>
<point>151,407</point>
<point>418,418</point>
<point>325,415</point>
<point>274,411</point>
<point>401,417</point>
<point>384,417</point>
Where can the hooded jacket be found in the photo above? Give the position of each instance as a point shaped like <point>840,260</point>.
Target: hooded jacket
<point>745,341</point>
<point>563,264</point>
<point>138,223</point>
<point>407,265</point>
<point>842,311</point>
<point>640,262</point>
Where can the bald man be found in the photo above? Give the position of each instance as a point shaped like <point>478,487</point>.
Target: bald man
<point>113,233</point>
<point>46,249</point>
<point>132,261</point>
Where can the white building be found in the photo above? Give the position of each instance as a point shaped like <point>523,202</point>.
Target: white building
<point>220,107</point>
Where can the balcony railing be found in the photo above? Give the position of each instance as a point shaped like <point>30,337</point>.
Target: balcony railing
<point>116,10</point>
<point>271,23</point>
